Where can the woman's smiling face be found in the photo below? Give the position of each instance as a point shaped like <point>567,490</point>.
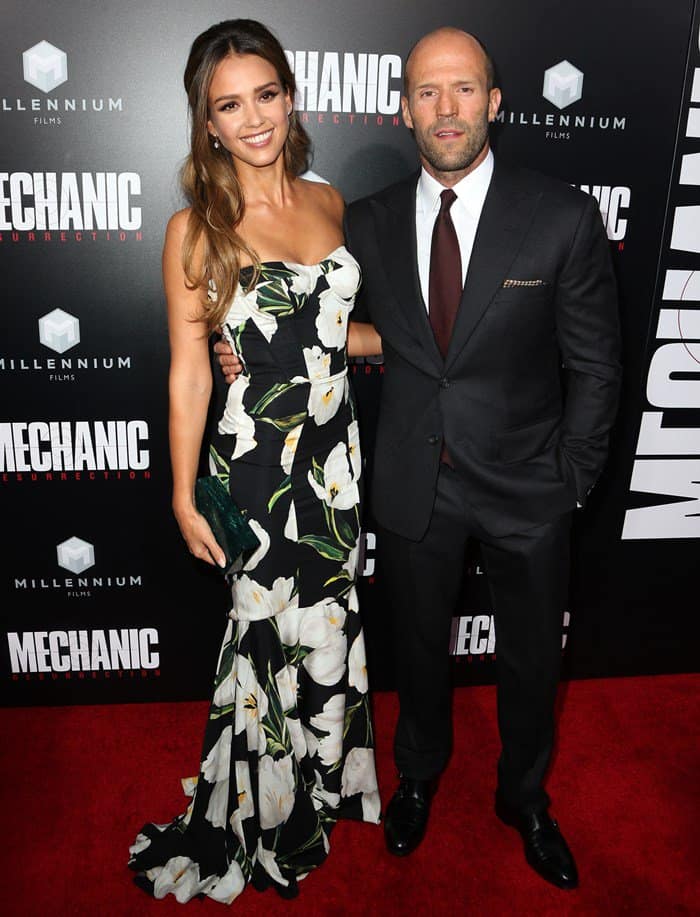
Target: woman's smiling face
<point>249,109</point>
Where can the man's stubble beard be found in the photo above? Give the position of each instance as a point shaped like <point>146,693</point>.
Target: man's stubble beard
<point>456,160</point>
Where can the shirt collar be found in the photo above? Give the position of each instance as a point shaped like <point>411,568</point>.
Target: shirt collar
<point>471,190</point>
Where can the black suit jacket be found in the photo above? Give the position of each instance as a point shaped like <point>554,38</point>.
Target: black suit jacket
<point>528,391</point>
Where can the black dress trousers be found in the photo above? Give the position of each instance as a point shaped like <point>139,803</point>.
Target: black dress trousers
<point>528,578</point>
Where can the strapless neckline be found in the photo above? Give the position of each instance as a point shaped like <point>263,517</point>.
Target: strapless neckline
<point>293,264</point>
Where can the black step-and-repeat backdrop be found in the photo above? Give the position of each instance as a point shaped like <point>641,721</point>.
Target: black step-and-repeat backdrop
<point>100,600</point>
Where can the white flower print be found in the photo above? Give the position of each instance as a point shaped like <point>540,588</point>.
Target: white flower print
<point>229,886</point>
<point>359,775</point>
<point>291,531</point>
<point>245,308</point>
<point>345,280</point>
<point>286,680</point>
<point>139,844</point>
<point>320,622</point>
<point>180,877</point>
<point>323,797</point>
<point>339,490</point>
<point>268,860</point>
<point>246,806</point>
<point>291,441</point>
<point>288,625</point>
<point>354,450</point>
<point>297,737</point>
<point>276,790</point>
<point>326,665</point>
<point>325,397</point>
<point>260,552</point>
<point>218,804</point>
<point>357,665</point>
<point>236,420</point>
<point>252,704</point>
<point>350,565</point>
<point>255,602</point>
<point>330,721</point>
<point>371,807</point>
<point>332,319</point>
<point>217,764</point>
<point>318,363</point>
<point>311,742</point>
<point>215,769</point>
<point>305,277</point>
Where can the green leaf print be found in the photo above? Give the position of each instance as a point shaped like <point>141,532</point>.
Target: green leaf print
<point>317,472</point>
<point>279,388</point>
<point>325,547</point>
<point>315,839</point>
<point>275,297</point>
<point>284,487</point>
<point>222,467</point>
<point>344,532</point>
<point>285,424</point>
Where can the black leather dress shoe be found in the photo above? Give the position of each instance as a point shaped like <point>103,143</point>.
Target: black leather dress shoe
<point>545,848</point>
<point>407,816</point>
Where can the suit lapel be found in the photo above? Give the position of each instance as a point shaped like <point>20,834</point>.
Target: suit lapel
<point>505,218</point>
<point>396,232</point>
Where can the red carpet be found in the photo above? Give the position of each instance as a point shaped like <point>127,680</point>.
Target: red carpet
<point>78,782</point>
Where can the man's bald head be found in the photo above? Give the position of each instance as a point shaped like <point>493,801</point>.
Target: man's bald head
<point>434,42</point>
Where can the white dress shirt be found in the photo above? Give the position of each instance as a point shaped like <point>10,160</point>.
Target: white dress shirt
<point>465,213</point>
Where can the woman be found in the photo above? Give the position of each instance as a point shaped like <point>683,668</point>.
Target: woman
<point>259,253</point>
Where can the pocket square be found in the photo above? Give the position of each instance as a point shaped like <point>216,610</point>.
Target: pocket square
<point>508,283</point>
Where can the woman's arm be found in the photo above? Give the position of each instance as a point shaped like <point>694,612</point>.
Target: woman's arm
<point>363,340</point>
<point>190,385</point>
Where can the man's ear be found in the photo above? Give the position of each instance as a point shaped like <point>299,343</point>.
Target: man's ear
<point>494,103</point>
<point>406,113</point>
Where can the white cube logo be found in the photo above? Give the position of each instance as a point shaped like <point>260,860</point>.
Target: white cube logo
<point>563,84</point>
<point>59,330</point>
<point>45,66</point>
<point>75,555</point>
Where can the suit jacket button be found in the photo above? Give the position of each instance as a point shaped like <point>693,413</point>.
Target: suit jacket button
<point>444,382</point>
<point>433,439</point>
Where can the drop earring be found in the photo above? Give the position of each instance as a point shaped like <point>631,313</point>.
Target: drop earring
<point>216,142</point>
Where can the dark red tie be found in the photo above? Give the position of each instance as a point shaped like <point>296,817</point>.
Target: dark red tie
<point>445,283</point>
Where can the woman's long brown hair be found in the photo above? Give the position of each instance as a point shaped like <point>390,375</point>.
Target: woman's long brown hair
<point>212,247</point>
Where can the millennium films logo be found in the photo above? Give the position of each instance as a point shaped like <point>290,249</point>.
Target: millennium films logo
<point>74,450</point>
<point>362,89</point>
<point>59,331</point>
<point>77,557</point>
<point>562,87</point>
<point>45,67</point>
<point>70,206</point>
<point>563,84</point>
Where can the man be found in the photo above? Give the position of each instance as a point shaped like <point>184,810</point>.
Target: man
<point>483,281</point>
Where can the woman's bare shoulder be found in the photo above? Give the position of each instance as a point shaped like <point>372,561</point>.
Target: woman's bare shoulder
<point>177,224</point>
<point>324,195</point>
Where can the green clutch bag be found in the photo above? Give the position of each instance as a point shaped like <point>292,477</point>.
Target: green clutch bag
<point>226,520</point>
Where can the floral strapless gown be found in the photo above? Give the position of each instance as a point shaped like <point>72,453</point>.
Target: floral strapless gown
<point>288,747</point>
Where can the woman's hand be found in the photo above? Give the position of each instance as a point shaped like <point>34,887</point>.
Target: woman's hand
<point>199,536</point>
